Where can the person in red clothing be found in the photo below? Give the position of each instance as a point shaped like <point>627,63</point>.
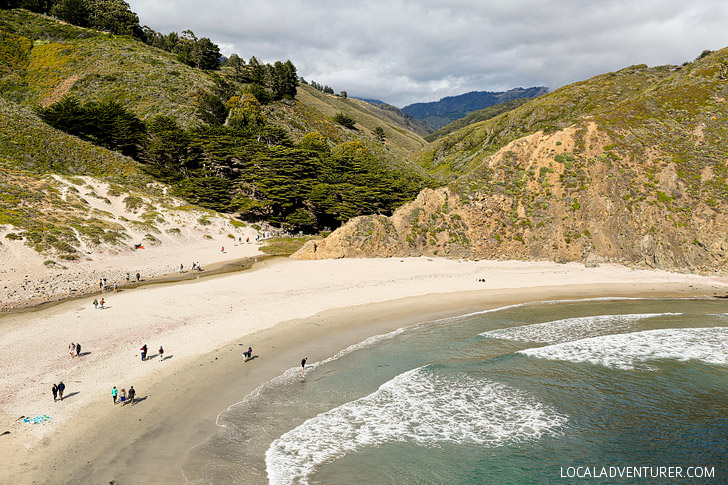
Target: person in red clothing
<point>144,352</point>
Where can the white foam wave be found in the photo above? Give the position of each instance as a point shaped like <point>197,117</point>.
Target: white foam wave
<point>633,350</point>
<point>569,329</point>
<point>416,407</point>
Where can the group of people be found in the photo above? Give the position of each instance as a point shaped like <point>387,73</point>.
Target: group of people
<point>74,348</point>
<point>98,303</point>
<point>248,354</point>
<point>195,266</point>
<point>145,349</point>
<point>122,396</point>
<point>57,390</point>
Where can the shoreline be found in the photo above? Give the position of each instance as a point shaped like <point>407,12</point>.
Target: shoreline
<point>180,400</point>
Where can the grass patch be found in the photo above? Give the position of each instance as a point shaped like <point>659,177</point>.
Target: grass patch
<point>285,246</point>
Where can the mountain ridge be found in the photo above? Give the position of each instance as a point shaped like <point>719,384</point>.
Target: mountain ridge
<point>437,114</point>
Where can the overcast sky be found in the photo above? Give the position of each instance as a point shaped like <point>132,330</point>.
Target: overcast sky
<point>406,51</point>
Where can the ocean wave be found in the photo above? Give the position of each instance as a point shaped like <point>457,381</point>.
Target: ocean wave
<point>417,407</point>
<point>632,350</point>
<point>568,329</point>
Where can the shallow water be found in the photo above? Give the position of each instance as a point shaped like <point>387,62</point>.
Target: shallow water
<point>521,395</point>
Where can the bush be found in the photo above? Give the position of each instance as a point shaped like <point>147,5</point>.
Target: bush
<point>345,120</point>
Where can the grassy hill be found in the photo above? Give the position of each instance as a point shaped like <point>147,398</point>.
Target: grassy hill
<point>43,60</point>
<point>461,151</point>
<point>314,111</point>
<point>476,117</point>
<point>627,167</point>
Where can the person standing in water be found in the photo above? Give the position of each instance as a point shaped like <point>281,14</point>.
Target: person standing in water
<point>303,365</point>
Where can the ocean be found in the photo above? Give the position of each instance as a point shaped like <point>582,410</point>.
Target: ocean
<point>626,390</point>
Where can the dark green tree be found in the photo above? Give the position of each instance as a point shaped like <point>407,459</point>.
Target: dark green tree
<point>210,109</point>
<point>344,120</point>
<point>167,145</point>
<point>205,54</point>
<point>115,16</point>
<point>76,12</point>
<point>256,72</point>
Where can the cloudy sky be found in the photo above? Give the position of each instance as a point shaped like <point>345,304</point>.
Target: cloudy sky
<point>406,51</point>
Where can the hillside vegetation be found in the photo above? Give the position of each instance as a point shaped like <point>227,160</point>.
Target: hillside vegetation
<point>476,117</point>
<point>233,139</point>
<point>437,114</point>
<point>629,167</point>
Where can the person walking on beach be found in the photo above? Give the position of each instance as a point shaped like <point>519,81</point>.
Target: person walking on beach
<point>61,388</point>
<point>101,284</point>
<point>54,390</point>
<point>161,354</point>
<point>96,304</point>
<point>104,282</point>
<point>71,348</point>
<point>78,349</point>
<point>127,277</point>
<point>138,276</point>
<point>122,399</point>
<point>303,366</point>
<point>132,392</point>
<point>144,352</point>
<point>181,268</point>
<point>114,393</point>
<point>102,303</point>
<point>222,249</point>
<point>115,287</point>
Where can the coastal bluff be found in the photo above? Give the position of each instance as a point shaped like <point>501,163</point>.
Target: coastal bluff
<point>521,204</point>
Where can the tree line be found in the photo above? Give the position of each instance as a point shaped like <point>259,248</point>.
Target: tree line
<point>114,16</point>
<point>246,165</point>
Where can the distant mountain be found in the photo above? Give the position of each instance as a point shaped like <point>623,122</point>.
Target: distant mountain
<point>440,113</point>
<point>371,101</point>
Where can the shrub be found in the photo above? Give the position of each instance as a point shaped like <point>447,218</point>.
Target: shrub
<point>344,120</point>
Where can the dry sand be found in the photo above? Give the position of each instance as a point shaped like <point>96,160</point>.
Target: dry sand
<point>284,309</point>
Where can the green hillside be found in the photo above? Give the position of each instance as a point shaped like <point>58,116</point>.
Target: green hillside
<point>215,138</point>
<point>476,117</point>
<point>461,151</point>
<point>626,167</point>
<point>43,60</point>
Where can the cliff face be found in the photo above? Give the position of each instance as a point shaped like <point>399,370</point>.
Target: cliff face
<point>567,196</point>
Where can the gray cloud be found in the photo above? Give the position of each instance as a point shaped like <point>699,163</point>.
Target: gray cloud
<point>405,51</point>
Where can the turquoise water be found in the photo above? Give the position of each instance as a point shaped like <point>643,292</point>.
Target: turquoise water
<point>527,394</point>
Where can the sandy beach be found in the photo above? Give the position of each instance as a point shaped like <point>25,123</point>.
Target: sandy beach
<point>285,309</point>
